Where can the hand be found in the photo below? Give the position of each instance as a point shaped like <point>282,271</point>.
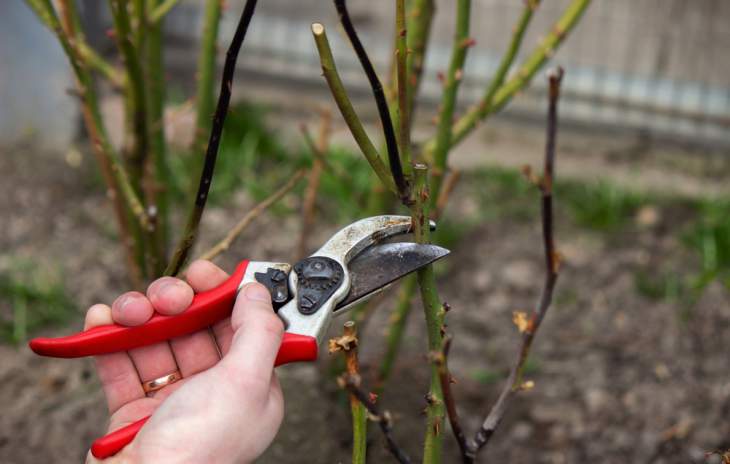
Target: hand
<point>224,409</point>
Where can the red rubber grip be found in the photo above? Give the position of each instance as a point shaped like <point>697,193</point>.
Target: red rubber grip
<point>206,309</point>
<point>111,444</point>
<point>293,348</point>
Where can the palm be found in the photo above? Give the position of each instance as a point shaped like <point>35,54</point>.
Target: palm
<point>122,374</point>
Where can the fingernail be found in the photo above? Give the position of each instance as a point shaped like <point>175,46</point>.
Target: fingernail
<point>125,302</point>
<point>257,292</point>
<point>166,286</point>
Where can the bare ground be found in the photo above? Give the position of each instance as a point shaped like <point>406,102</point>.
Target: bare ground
<point>619,378</point>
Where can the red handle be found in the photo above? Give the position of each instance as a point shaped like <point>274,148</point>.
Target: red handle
<point>206,309</point>
<point>293,348</point>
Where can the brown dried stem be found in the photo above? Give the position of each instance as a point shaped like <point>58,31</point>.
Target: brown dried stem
<point>347,343</point>
<point>257,210</point>
<point>514,383</point>
<point>384,420</point>
<point>441,360</point>
<point>119,191</point>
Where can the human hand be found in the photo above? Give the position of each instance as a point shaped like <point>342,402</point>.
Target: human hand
<point>224,409</point>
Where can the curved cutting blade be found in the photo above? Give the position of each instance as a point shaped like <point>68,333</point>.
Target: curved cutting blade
<point>373,270</point>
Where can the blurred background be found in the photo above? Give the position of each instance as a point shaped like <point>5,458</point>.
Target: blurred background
<point>631,364</point>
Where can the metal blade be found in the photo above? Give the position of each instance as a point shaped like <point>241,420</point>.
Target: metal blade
<point>373,270</point>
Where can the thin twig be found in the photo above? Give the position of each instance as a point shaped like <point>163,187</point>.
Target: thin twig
<point>315,173</point>
<point>518,33</point>
<point>552,263</point>
<point>384,420</point>
<point>106,69</point>
<point>206,176</point>
<point>522,76</point>
<point>255,212</point>
<point>112,171</point>
<point>441,360</point>
<point>388,131</point>
<point>161,10</point>
<point>347,343</point>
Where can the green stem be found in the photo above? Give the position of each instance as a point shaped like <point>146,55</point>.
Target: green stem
<point>126,37</point>
<point>136,89</point>
<point>139,23</point>
<point>451,89</point>
<point>434,313</point>
<point>403,119</point>
<point>420,19</point>
<point>346,109</point>
<point>119,189</point>
<point>357,409</point>
<point>522,76</point>
<point>161,10</point>
<point>205,92</point>
<point>95,61</point>
<point>160,179</point>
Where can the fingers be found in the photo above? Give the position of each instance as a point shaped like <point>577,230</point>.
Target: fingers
<point>131,308</point>
<point>257,335</point>
<point>170,296</point>
<point>152,361</point>
<point>195,352</point>
<point>204,275</point>
<point>116,371</point>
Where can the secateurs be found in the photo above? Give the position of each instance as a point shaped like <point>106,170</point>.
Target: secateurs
<point>352,266</point>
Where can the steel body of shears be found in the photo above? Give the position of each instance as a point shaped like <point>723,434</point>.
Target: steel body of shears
<point>350,267</point>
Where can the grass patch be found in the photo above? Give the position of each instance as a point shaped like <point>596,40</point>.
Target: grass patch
<point>31,297</point>
<point>251,156</point>
<point>504,193</point>
<point>709,238</point>
<point>598,206</point>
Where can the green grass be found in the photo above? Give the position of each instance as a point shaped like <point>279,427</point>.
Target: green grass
<point>31,297</point>
<point>505,194</point>
<point>598,206</point>
<point>709,238</point>
<point>250,157</point>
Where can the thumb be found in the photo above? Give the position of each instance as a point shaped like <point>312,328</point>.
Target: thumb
<point>257,335</point>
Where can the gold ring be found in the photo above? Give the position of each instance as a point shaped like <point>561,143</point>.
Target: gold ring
<point>161,382</point>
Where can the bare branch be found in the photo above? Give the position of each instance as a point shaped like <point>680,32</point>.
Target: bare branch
<point>257,210</point>
<point>347,343</point>
<point>388,131</point>
<point>514,382</point>
<point>441,360</point>
<point>206,177</point>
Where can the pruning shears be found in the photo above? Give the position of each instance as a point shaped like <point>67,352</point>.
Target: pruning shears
<point>356,263</point>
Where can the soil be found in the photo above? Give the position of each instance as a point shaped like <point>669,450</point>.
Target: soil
<point>619,377</point>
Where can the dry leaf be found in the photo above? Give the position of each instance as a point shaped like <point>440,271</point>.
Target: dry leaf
<point>520,320</point>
